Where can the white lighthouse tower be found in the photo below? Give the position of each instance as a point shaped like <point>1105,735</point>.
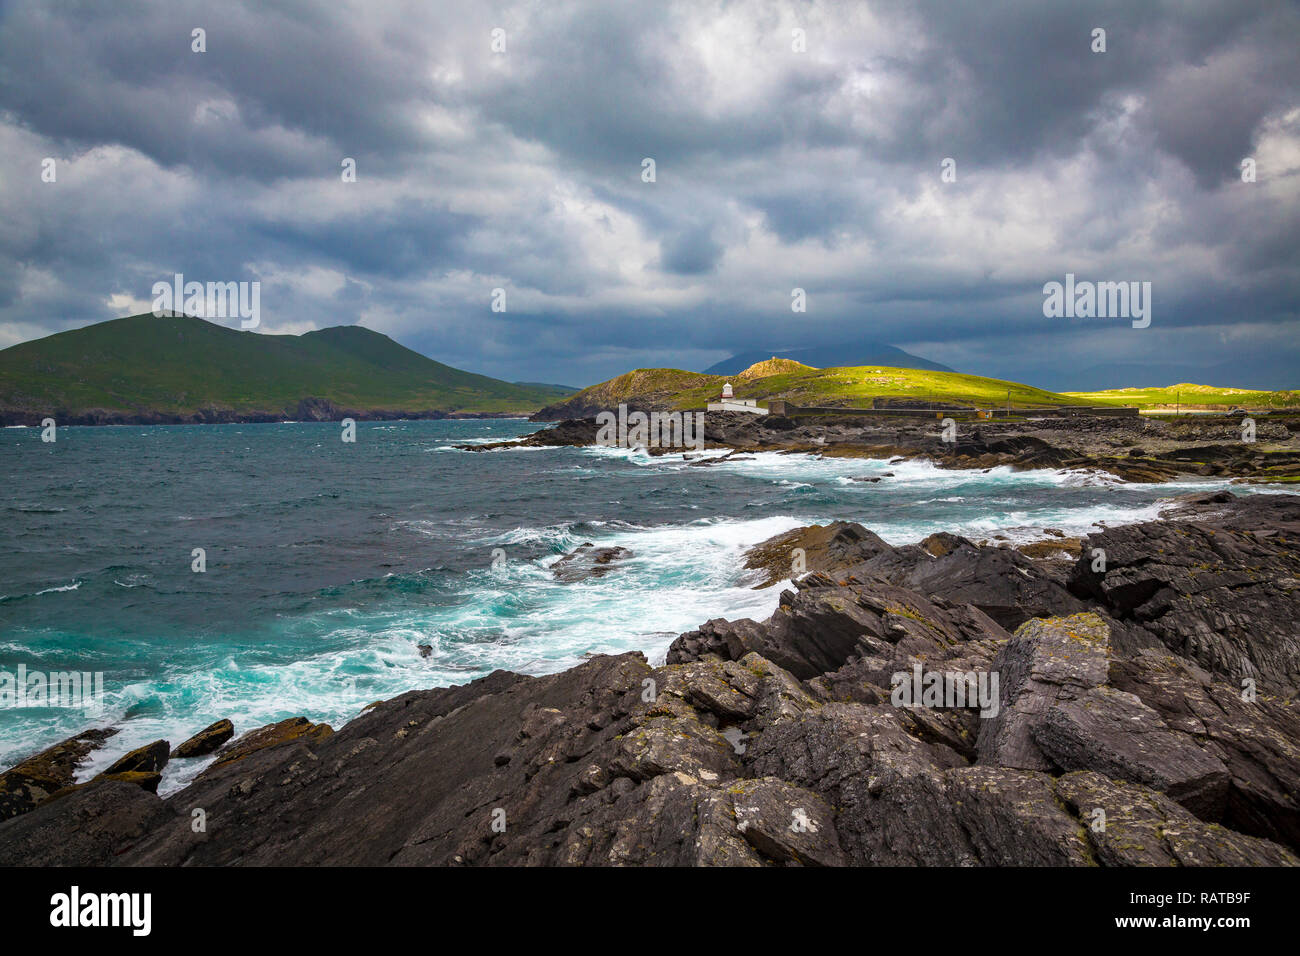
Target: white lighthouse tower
<point>728,402</point>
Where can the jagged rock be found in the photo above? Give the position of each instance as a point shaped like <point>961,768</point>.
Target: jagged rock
<point>820,627</point>
<point>316,410</point>
<point>1222,590</point>
<point>578,432</point>
<point>28,784</point>
<point>1258,740</point>
<point>91,826</point>
<point>762,744</point>
<point>150,758</point>
<point>272,735</point>
<point>729,640</point>
<point>1057,716</point>
<point>828,548</point>
<point>1046,663</point>
<point>1006,585</point>
<point>1011,818</point>
<point>147,780</point>
<point>786,824</point>
<point>1138,827</point>
<point>206,741</point>
<point>1114,733</point>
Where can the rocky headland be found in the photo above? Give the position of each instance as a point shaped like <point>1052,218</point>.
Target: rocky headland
<point>1146,715</point>
<point>1137,449</point>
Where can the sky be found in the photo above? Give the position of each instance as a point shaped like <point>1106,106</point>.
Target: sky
<point>795,146</point>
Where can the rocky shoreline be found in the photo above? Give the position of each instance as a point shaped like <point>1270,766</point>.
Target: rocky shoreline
<point>1145,450</point>
<point>1145,714</point>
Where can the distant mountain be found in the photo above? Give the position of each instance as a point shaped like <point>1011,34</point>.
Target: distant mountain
<point>850,354</point>
<point>184,369</point>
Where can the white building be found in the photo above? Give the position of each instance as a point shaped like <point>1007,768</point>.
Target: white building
<point>727,402</point>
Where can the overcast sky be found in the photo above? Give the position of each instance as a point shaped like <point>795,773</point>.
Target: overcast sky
<point>776,168</point>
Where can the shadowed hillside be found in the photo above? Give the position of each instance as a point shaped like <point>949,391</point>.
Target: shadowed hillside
<point>180,368</point>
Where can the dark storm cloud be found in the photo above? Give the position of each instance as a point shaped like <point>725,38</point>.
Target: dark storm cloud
<point>691,252</point>
<point>775,168</point>
<point>277,83</point>
<point>383,243</point>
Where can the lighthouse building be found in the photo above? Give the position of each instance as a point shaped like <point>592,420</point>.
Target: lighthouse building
<point>727,402</point>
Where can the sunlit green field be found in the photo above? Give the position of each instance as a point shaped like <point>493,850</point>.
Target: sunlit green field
<point>1187,396</point>
<point>856,387</point>
<point>847,387</point>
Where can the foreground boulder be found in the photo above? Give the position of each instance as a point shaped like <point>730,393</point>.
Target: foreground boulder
<point>1057,715</point>
<point>272,735</point>
<point>150,758</point>
<point>1221,588</point>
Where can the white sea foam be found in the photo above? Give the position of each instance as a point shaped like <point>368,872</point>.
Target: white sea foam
<point>518,616</point>
<point>66,587</point>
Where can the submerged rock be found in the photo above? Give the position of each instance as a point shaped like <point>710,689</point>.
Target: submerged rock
<point>587,561</point>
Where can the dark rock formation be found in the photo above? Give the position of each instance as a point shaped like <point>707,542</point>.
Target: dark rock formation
<point>1221,587</point>
<point>574,432</point>
<point>90,827</point>
<point>316,410</point>
<point>37,778</point>
<point>830,548</point>
<point>587,561</point>
<point>272,735</point>
<point>148,759</point>
<point>1004,583</point>
<point>1135,449</point>
<point>147,780</point>
<point>206,741</point>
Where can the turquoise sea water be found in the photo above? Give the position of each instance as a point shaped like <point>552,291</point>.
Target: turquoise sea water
<point>328,563</point>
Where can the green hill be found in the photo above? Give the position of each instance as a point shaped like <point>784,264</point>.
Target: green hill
<point>1188,396</point>
<point>672,389</point>
<point>176,367</point>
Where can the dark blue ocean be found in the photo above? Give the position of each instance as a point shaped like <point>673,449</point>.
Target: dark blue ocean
<point>328,563</point>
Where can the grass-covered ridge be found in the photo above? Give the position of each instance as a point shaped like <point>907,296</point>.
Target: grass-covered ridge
<point>802,385</point>
<point>1189,396</point>
<point>177,365</point>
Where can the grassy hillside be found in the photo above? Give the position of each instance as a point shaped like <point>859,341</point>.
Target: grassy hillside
<point>176,365</point>
<point>1188,396</point>
<point>841,387</point>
